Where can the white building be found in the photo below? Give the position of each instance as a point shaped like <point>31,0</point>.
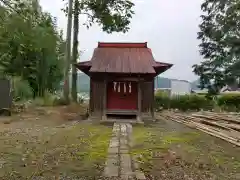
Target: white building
<point>180,87</point>
<point>173,86</point>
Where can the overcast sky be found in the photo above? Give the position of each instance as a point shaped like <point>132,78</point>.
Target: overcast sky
<point>169,26</point>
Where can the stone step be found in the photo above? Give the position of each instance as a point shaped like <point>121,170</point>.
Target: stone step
<point>119,161</point>
<point>131,121</point>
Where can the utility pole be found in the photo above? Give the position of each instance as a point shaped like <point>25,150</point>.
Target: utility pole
<point>68,52</point>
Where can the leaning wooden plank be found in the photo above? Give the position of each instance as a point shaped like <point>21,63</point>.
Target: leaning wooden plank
<point>213,125</point>
<point>228,114</point>
<point>232,126</point>
<point>208,131</point>
<point>216,134</point>
<point>219,127</point>
<point>214,131</point>
<point>186,117</point>
<point>221,137</point>
<point>218,118</point>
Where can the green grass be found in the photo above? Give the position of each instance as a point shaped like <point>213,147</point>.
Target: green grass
<point>75,151</point>
<point>197,155</point>
<point>149,139</point>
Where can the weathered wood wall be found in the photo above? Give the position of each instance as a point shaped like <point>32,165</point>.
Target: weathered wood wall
<point>148,98</point>
<point>98,101</point>
<point>97,88</point>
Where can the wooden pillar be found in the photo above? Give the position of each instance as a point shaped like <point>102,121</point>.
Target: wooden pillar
<point>152,100</point>
<point>104,116</point>
<point>90,106</point>
<point>139,118</point>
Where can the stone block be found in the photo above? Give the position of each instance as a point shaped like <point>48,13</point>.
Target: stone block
<point>123,141</point>
<point>114,142</point>
<point>123,128</point>
<point>129,176</point>
<point>136,165</point>
<point>129,128</point>
<point>140,175</point>
<point>111,167</point>
<point>124,151</point>
<point>124,147</point>
<point>125,164</point>
<point>116,127</point>
<point>113,150</point>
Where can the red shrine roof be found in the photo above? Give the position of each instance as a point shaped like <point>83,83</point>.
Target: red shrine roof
<point>134,58</point>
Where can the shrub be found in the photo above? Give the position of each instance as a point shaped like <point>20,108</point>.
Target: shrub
<point>160,93</point>
<point>47,100</point>
<point>191,102</point>
<point>183,102</point>
<point>60,101</point>
<point>21,89</point>
<point>162,100</point>
<point>229,102</point>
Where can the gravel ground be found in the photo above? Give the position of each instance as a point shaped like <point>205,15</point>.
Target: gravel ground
<point>42,147</point>
<point>171,151</point>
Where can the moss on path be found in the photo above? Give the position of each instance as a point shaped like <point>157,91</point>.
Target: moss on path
<point>49,151</point>
<point>168,150</point>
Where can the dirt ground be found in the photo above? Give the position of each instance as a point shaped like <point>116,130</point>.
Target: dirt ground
<point>54,143</point>
<point>49,143</point>
<point>170,151</point>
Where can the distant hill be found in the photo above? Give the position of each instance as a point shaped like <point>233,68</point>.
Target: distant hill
<point>84,83</point>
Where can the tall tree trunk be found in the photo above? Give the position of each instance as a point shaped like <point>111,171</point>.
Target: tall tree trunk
<point>68,53</point>
<point>75,49</point>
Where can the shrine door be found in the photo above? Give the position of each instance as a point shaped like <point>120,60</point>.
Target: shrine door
<point>122,95</point>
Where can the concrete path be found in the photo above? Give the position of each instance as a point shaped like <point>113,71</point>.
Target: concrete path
<point>120,164</point>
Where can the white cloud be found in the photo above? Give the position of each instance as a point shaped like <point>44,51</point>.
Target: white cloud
<point>169,26</point>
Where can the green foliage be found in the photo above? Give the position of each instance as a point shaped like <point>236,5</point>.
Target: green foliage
<point>21,89</point>
<point>48,99</point>
<point>219,35</point>
<point>161,93</point>
<point>162,100</point>
<point>31,47</point>
<point>229,101</point>
<point>112,15</point>
<point>191,102</point>
<point>183,102</point>
<point>60,101</point>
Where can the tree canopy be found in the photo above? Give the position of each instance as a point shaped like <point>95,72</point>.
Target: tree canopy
<point>31,47</point>
<point>111,15</point>
<point>220,44</point>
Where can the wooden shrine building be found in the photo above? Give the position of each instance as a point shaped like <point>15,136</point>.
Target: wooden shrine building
<point>122,80</point>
